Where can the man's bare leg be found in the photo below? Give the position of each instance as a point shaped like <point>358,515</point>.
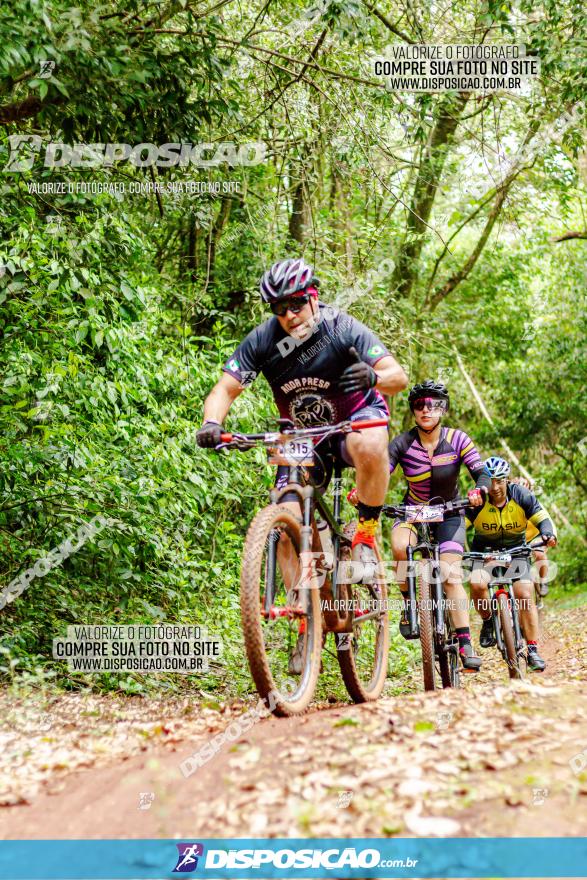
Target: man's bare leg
<point>368,451</point>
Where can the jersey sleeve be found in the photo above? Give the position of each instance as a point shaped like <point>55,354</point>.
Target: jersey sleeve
<point>535,513</point>
<point>246,361</point>
<point>368,345</point>
<point>471,514</point>
<point>470,457</point>
<point>397,447</point>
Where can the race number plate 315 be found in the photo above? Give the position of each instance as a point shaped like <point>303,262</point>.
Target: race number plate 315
<point>294,453</point>
<point>424,513</point>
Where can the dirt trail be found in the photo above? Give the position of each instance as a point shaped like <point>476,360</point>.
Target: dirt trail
<point>491,759</point>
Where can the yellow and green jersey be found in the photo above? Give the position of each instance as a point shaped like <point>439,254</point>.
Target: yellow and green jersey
<point>533,531</point>
<point>506,526</point>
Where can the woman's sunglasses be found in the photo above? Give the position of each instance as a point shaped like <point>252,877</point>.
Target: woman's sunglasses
<point>431,403</point>
<point>295,305</point>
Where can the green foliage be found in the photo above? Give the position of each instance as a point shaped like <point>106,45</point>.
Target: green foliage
<point>116,313</point>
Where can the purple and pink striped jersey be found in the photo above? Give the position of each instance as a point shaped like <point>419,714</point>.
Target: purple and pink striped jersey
<point>436,476</point>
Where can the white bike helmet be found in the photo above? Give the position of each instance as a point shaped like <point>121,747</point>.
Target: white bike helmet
<point>497,467</point>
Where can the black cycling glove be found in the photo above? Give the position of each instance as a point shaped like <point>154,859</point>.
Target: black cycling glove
<point>358,377</point>
<point>209,435</point>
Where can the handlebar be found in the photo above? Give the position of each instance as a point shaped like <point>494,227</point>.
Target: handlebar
<point>521,550</point>
<point>271,438</point>
<point>399,510</point>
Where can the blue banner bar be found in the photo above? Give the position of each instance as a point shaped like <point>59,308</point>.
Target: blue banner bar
<point>401,857</point>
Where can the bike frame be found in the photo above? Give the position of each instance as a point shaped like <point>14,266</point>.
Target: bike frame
<point>503,584</point>
<point>430,551</point>
<point>311,500</point>
<point>309,496</point>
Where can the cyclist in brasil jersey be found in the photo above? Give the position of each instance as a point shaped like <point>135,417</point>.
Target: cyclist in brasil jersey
<point>431,456</point>
<point>501,522</point>
<point>323,367</point>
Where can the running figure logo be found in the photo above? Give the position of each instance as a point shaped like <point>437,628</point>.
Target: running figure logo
<point>187,860</point>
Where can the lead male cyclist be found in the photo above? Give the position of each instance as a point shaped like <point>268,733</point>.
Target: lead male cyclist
<point>323,367</point>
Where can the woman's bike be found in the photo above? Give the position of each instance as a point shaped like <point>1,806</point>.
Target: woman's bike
<point>503,604</point>
<point>427,608</point>
<point>298,581</point>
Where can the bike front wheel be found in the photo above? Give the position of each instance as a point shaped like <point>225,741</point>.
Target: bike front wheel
<point>448,657</point>
<point>362,654</point>
<point>280,612</point>
<point>426,617</point>
<point>507,628</point>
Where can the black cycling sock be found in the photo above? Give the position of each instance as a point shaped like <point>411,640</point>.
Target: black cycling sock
<point>367,511</point>
<point>532,647</point>
<point>463,635</point>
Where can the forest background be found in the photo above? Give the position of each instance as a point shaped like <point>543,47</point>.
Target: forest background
<point>452,224</point>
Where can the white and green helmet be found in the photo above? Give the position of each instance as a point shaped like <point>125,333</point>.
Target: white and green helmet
<point>497,467</point>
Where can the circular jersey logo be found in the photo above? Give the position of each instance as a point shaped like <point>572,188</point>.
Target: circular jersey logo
<point>311,410</point>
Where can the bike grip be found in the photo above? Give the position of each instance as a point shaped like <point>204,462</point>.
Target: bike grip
<point>372,423</point>
<point>226,438</point>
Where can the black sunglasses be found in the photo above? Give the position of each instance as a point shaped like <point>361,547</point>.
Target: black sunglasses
<point>295,305</point>
<point>432,403</point>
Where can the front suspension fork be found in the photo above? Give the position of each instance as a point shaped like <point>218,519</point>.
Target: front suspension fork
<point>411,588</point>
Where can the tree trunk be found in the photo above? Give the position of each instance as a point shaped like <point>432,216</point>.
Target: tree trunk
<point>300,214</point>
<point>425,189</point>
<point>214,238</point>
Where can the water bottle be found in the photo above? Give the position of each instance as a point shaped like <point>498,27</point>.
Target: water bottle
<point>325,542</point>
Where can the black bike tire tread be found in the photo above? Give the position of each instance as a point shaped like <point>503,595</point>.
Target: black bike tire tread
<point>348,669</point>
<point>507,630</point>
<point>253,549</point>
<point>426,635</point>
<point>446,662</point>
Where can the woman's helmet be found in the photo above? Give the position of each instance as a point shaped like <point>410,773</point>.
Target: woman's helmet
<point>285,278</point>
<point>497,467</point>
<point>429,388</point>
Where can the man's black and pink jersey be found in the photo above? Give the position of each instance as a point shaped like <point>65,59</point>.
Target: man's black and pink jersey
<point>303,375</point>
<point>437,476</point>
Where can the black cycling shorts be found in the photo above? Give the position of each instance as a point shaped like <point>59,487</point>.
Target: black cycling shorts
<point>448,534</point>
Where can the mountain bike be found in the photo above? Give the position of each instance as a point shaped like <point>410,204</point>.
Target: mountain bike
<point>428,612</point>
<point>503,604</point>
<point>298,581</point>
